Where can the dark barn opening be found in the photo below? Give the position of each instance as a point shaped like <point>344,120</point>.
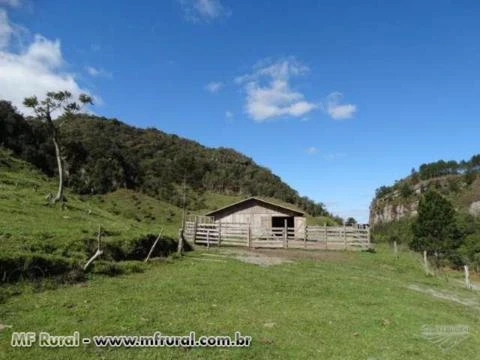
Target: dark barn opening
<point>279,221</point>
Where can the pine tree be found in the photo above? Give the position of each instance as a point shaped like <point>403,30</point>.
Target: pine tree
<point>435,229</point>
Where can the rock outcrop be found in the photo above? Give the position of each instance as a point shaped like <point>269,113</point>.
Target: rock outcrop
<point>474,208</point>
<point>390,211</point>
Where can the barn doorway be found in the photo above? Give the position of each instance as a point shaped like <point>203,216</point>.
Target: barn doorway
<point>279,221</point>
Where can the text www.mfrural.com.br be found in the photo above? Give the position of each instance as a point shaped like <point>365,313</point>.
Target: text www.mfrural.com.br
<point>45,339</point>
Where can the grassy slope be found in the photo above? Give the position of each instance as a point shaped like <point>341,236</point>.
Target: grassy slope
<point>340,306</point>
<point>28,223</point>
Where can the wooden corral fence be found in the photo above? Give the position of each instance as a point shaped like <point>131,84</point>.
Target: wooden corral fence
<point>310,237</point>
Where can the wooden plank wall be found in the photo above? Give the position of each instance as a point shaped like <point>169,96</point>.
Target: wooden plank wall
<point>242,234</point>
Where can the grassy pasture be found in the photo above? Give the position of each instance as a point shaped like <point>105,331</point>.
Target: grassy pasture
<point>320,305</point>
<point>311,305</point>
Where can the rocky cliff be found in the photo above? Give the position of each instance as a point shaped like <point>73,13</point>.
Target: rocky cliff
<point>403,198</point>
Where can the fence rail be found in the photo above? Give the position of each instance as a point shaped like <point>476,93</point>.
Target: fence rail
<point>309,237</point>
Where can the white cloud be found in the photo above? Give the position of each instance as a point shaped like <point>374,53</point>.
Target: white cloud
<point>312,150</point>
<point>336,110</point>
<point>5,29</point>
<point>204,10</point>
<point>268,91</point>
<point>34,70</point>
<point>229,115</point>
<point>95,72</point>
<point>214,86</point>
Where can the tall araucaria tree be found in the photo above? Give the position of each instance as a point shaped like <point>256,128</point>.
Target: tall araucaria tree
<point>54,102</point>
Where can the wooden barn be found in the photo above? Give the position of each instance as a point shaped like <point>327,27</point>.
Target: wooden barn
<point>260,214</point>
<point>257,223</point>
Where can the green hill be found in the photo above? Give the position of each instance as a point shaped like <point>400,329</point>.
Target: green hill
<point>103,155</point>
<point>129,181</point>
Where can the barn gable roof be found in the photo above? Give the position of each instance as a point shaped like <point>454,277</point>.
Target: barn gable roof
<point>253,201</point>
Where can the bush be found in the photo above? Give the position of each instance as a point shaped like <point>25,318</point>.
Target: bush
<point>469,177</point>
<point>399,231</point>
<point>383,191</point>
<point>406,190</point>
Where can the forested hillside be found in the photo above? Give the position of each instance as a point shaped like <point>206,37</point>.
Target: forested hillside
<point>102,155</point>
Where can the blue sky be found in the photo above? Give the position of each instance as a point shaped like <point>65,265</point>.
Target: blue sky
<point>336,97</point>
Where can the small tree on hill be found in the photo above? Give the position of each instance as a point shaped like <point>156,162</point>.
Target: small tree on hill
<point>351,221</point>
<point>435,229</point>
<point>44,109</point>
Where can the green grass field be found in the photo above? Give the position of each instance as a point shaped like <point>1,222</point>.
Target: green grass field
<point>313,305</point>
<point>306,305</point>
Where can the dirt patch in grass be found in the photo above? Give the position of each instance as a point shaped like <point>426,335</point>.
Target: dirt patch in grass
<point>246,256</point>
<point>260,259</point>
<point>446,295</point>
<point>299,254</point>
<point>269,257</point>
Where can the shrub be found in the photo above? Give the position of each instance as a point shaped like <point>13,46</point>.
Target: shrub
<point>399,231</point>
<point>469,177</point>
<point>406,190</point>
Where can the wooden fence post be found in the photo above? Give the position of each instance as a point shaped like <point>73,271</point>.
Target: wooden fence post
<point>305,236</point>
<point>326,235</point>
<point>425,262</point>
<point>181,236</point>
<point>285,234</point>
<point>368,236</point>
<point>194,230</point>
<point>468,285</point>
<point>345,236</point>
<point>208,237</point>
<point>249,236</point>
<point>395,249</point>
<point>219,232</point>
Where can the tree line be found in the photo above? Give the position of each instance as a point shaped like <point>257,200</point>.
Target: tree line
<point>469,170</point>
<point>442,168</point>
